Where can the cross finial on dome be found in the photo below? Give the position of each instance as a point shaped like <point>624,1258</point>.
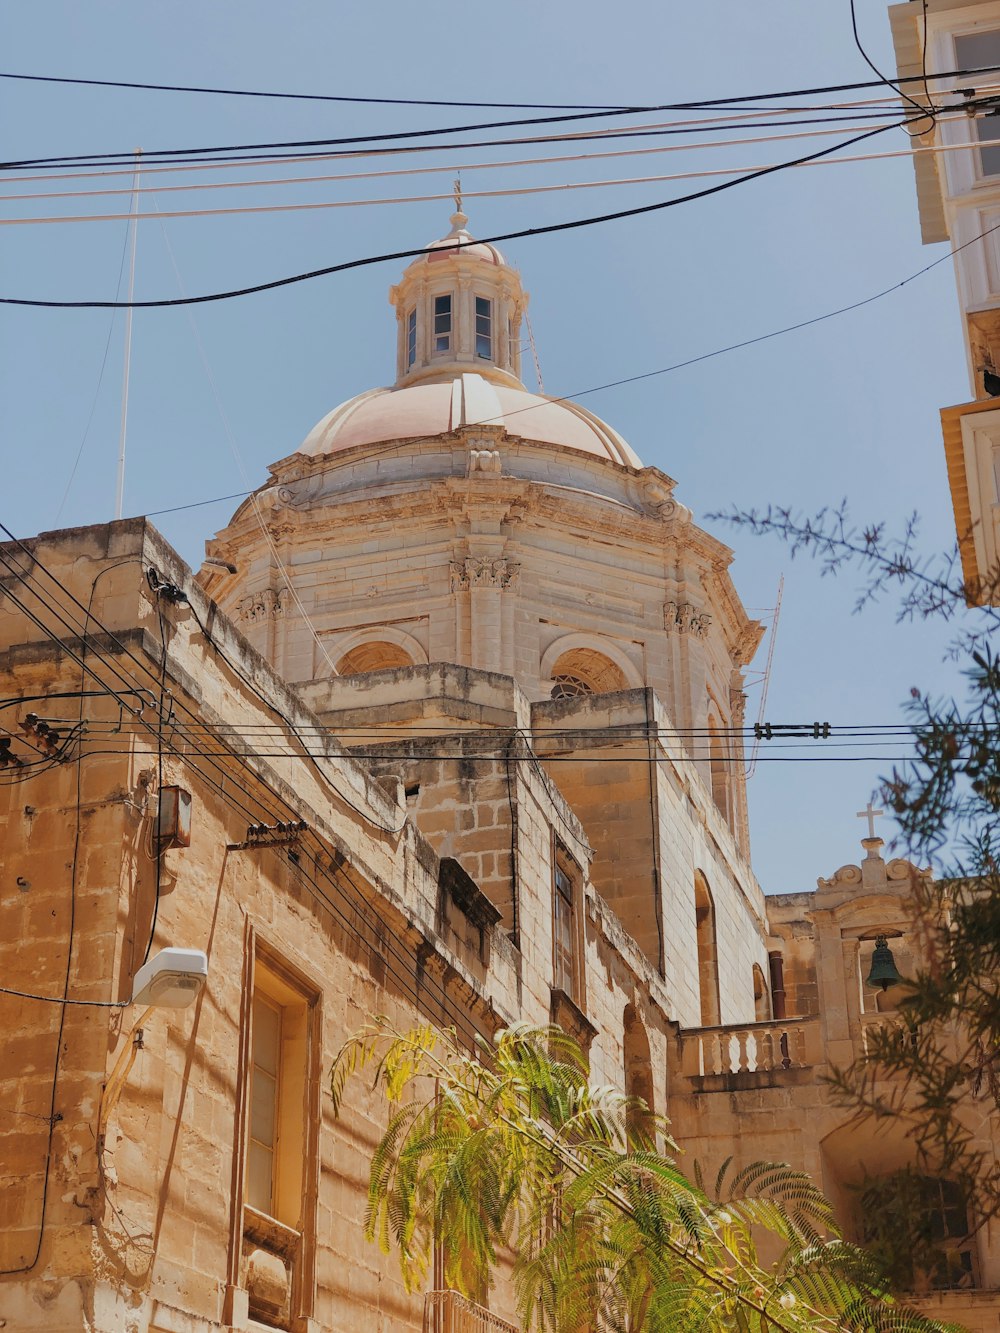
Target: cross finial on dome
<point>458,219</point>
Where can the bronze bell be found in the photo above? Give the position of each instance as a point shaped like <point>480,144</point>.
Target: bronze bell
<point>884,973</point>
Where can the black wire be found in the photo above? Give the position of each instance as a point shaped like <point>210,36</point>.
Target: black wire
<point>666,370</point>
<point>250,815</point>
<point>64,1004</point>
<point>161,154</point>
<point>458,245</point>
<point>157,845</point>
<point>585,108</point>
<point>925,112</point>
<point>303,97</point>
<point>59,999</point>
<point>601,136</point>
<point>305,149</point>
<point>314,759</point>
<point>100,378</point>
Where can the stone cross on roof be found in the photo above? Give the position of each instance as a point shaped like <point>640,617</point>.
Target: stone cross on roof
<point>871,815</point>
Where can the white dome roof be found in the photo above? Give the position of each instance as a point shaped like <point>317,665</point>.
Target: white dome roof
<point>466,400</point>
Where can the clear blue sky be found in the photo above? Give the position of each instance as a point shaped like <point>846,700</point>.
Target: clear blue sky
<point>847,408</point>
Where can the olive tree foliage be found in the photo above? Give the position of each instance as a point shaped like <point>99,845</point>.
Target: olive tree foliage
<point>937,1071</point>
<point>508,1156</point>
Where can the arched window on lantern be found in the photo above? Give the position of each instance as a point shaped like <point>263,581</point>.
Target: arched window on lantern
<point>708,958</point>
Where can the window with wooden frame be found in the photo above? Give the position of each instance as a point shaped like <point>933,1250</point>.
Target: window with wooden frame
<point>279,1075</point>
<point>275,1217</point>
<point>566,922</point>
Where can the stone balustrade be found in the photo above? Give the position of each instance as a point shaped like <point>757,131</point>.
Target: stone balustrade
<point>751,1048</point>
<point>451,1312</point>
<point>889,1021</point>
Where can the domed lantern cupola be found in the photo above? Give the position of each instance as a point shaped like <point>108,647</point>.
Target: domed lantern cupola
<point>458,308</point>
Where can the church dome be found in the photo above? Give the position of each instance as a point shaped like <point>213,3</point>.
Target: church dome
<point>459,242</point>
<point>464,400</point>
<point>459,307</point>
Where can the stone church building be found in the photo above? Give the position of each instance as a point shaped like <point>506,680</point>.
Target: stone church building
<point>449,727</point>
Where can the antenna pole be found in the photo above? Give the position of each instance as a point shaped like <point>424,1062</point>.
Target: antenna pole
<point>133,216</point>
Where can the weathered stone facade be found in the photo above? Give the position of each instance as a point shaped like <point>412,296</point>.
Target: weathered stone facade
<point>495,671</point>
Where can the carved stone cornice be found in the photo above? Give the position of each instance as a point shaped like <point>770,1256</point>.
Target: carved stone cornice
<point>685,618</point>
<point>483,572</point>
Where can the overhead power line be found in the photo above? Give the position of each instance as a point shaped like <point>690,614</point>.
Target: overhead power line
<point>389,173</point>
<point>677,365</point>
<point>458,245</point>
<point>304,97</point>
<point>880,82</point>
<point>510,192</point>
<point>768,117</point>
<point>310,149</point>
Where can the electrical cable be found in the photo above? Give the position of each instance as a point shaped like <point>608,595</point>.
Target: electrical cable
<point>663,370</point>
<point>875,70</point>
<point>774,117</point>
<point>59,999</point>
<point>157,840</point>
<point>585,111</point>
<point>393,172</point>
<point>509,192</point>
<point>394,832</point>
<point>240,758</point>
<point>459,245</point>
<point>100,381</point>
<point>383,941</point>
<point>159,154</point>
<point>64,1005</point>
<point>234,448</point>
<point>250,815</point>
<point>577,136</point>
<point>303,97</point>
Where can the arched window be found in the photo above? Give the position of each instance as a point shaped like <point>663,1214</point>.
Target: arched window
<point>719,768</point>
<point>708,960</point>
<point>375,655</point>
<point>442,323</point>
<point>585,671</point>
<point>638,1075</point>
<point>761,997</point>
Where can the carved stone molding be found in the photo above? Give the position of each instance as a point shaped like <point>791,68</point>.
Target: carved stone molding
<point>685,618</point>
<point>849,874</point>
<point>483,460</point>
<point>479,572</point>
<point>260,606</point>
<point>746,643</point>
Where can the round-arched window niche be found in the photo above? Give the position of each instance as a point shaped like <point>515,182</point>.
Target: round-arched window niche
<point>584,671</point>
<point>375,655</point>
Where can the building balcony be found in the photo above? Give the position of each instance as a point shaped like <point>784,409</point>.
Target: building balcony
<point>749,1055</point>
<point>451,1312</point>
